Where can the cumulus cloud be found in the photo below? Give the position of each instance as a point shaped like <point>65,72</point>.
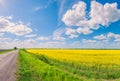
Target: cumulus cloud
<point>108,37</point>
<point>115,36</point>
<point>103,14</point>
<point>71,32</point>
<point>84,30</point>
<point>86,23</point>
<point>73,16</point>
<point>19,29</point>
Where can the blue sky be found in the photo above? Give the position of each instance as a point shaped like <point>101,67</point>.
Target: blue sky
<point>59,23</point>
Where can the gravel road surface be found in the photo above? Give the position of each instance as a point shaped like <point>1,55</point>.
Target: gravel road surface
<point>8,66</point>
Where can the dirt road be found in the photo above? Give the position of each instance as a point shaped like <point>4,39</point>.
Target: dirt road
<point>8,66</point>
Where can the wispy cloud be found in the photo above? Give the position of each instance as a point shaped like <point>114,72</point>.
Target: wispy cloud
<point>61,7</point>
<point>58,34</point>
<point>2,3</point>
<point>30,35</point>
<point>42,38</point>
<point>38,8</point>
<point>61,10</point>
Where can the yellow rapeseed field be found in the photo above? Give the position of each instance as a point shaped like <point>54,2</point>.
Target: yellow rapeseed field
<point>81,56</point>
<point>99,65</point>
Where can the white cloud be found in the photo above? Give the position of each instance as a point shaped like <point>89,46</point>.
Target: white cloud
<point>61,8</point>
<point>71,32</point>
<point>88,41</point>
<point>19,29</point>
<point>117,40</point>
<point>86,23</point>
<point>73,36</point>
<point>84,30</point>
<point>53,44</point>
<point>4,39</point>
<point>76,44</point>
<point>59,38</point>
<point>100,37</point>
<point>115,36</point>
<point>57,35</point>
<point>91,44</point>
<point>108,37</point>
<point>103,14</point>
<point>73,16</point>
<point>9,17</point>
<point>30,35</point>
<point>47,3</point>
<point>37,8</point>
<point>5,43</point>
<point>8,43</point>
<point>42,38</point>
<point>29,41</point>
<point>110,34</point>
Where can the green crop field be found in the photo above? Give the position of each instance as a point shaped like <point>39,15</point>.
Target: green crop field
<point>4,51</point>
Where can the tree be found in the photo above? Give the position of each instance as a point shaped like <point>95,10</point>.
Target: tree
<point>15,48</point>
